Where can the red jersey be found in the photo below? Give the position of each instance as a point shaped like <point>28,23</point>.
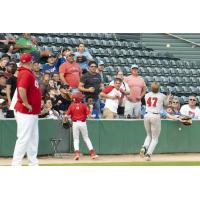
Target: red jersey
<point>72,73</point>
<point>26,79</point>
<point>78,112</point>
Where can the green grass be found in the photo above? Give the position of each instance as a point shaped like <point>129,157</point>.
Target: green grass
<point>180,163</point>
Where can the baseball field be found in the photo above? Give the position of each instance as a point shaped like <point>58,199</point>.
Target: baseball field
<point>182,159</point>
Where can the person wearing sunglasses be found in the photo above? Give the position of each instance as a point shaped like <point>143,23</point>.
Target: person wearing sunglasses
<point>191,109</point>
<point>176,106</point>
<point>91,85</point>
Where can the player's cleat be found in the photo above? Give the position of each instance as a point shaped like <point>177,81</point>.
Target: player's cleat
<point>148,157</point>
<point>143,151</point>
<point>93,154</point>
<point>77,155</point>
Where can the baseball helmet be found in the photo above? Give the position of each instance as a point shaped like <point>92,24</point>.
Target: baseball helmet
<point>78,96</point>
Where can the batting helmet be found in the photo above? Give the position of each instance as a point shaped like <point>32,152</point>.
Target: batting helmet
<point>78,96</point>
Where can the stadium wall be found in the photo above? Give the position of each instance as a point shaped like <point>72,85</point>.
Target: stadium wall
<point>108,137</point>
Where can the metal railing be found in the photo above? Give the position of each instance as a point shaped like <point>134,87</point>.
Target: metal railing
<point>183,39</point>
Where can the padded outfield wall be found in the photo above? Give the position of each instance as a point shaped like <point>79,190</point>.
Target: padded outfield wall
<point>108,136</point>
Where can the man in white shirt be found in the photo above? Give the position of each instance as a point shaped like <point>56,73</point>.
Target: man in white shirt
<point>113,96</point>
<point>191,109</point>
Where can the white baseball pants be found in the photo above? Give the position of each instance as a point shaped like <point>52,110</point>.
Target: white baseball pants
<point>27,139</point>
<point>131,108</point>
<point>152,124</point>
<point>81,127</point>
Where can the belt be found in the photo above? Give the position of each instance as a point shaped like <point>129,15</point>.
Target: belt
<point>79,121</point>
<point>152,113</point>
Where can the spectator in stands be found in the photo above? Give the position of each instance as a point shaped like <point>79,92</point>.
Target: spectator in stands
<point>27,44</point>
<point>3,97</point>
<point>169,110</point>
<point>62,58</point>
<point>36,70</point>
<point>48,111</point>
<point>11,83</point>
<point>6,44</point>
<point>64,99</point>
<point>176,106</point>
<point>100,71</point>
<point>93,111</point>
<point>70,72</point>
<point>113,96</point>
<point>44,84</point>
<point>191,109</point>
<point>56,79</point>
<point>50,65</point>
<point>3,62</point>
<point>137,91</point>
<point>126,89</point>
<point>83,57</point>
<point>90,84</point>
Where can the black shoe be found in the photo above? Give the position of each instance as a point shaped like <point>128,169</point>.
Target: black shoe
<point>143,151</point>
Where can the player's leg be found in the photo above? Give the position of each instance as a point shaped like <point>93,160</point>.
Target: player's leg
<point>76,131</point>
<point>147,125</point>
<point>137,110</point>
<point>32,149</point>
<point>24,131</point>
<point>128,110</point>
<point>155,130</point>
<point>84,132</point>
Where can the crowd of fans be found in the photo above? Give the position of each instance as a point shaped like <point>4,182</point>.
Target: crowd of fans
<point>61,75</point>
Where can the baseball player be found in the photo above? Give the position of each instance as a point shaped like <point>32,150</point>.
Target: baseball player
<point>79,112</point>
<point>152,120</point>
<point>27,108</point>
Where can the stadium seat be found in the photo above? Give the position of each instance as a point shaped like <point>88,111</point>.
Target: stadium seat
<point>149,80</point>
<point>193,81</point>
<point>145,53</point>
<point>164,80</point>
<point>137,61</point>
<point>150,71</point>
<point>74,41</point>
<point>118,68</point>
<point>123,52</point>
<point>127,70</point>
<point>186,81</point>
<point>43,40</point>
<point>179,81</point>
<point>144,62</point>
<point>186,64</point>
<point>122,61</point>
<point>151,62</point>
<point>158,62</point>
<point>107,60</point>
<point>117,52</point>
<point>114,61</point>
<point>59,41</point>
<point>193,72</point>
<point>138,53</point>
<point>102,52</point>
<point>130,52</point>
<point>157,79</point>
<point>118,44</point>
<point>105,43</point>
<point>109,78</point>
<point>172,81</point>
<point>180,64</point>
<point>93,51</point>
<point>67,41</point>
<point>89,42</point>
<point>184,100</point>
<point>173,64</point>
<point>193,90</point>
<point>157,71</point>
<point>109,52</point>
<point>111,43</point>
<point>163,89</point>
<point>165,71</point>
<point>165,63</point>
<point>143,71</point>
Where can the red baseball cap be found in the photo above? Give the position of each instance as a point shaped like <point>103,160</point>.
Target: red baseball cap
<point>25,57</point>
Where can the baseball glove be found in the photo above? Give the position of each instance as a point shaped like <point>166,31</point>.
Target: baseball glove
<point>67,124</point>
<point>187,121</point>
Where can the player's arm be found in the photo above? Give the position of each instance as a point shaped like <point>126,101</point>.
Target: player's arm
<point>23,95</point>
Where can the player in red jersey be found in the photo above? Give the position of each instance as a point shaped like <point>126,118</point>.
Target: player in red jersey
<point>27,108</point>
<point>78,112</point>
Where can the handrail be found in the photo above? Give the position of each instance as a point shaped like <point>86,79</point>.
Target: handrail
<point>186,40</point>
